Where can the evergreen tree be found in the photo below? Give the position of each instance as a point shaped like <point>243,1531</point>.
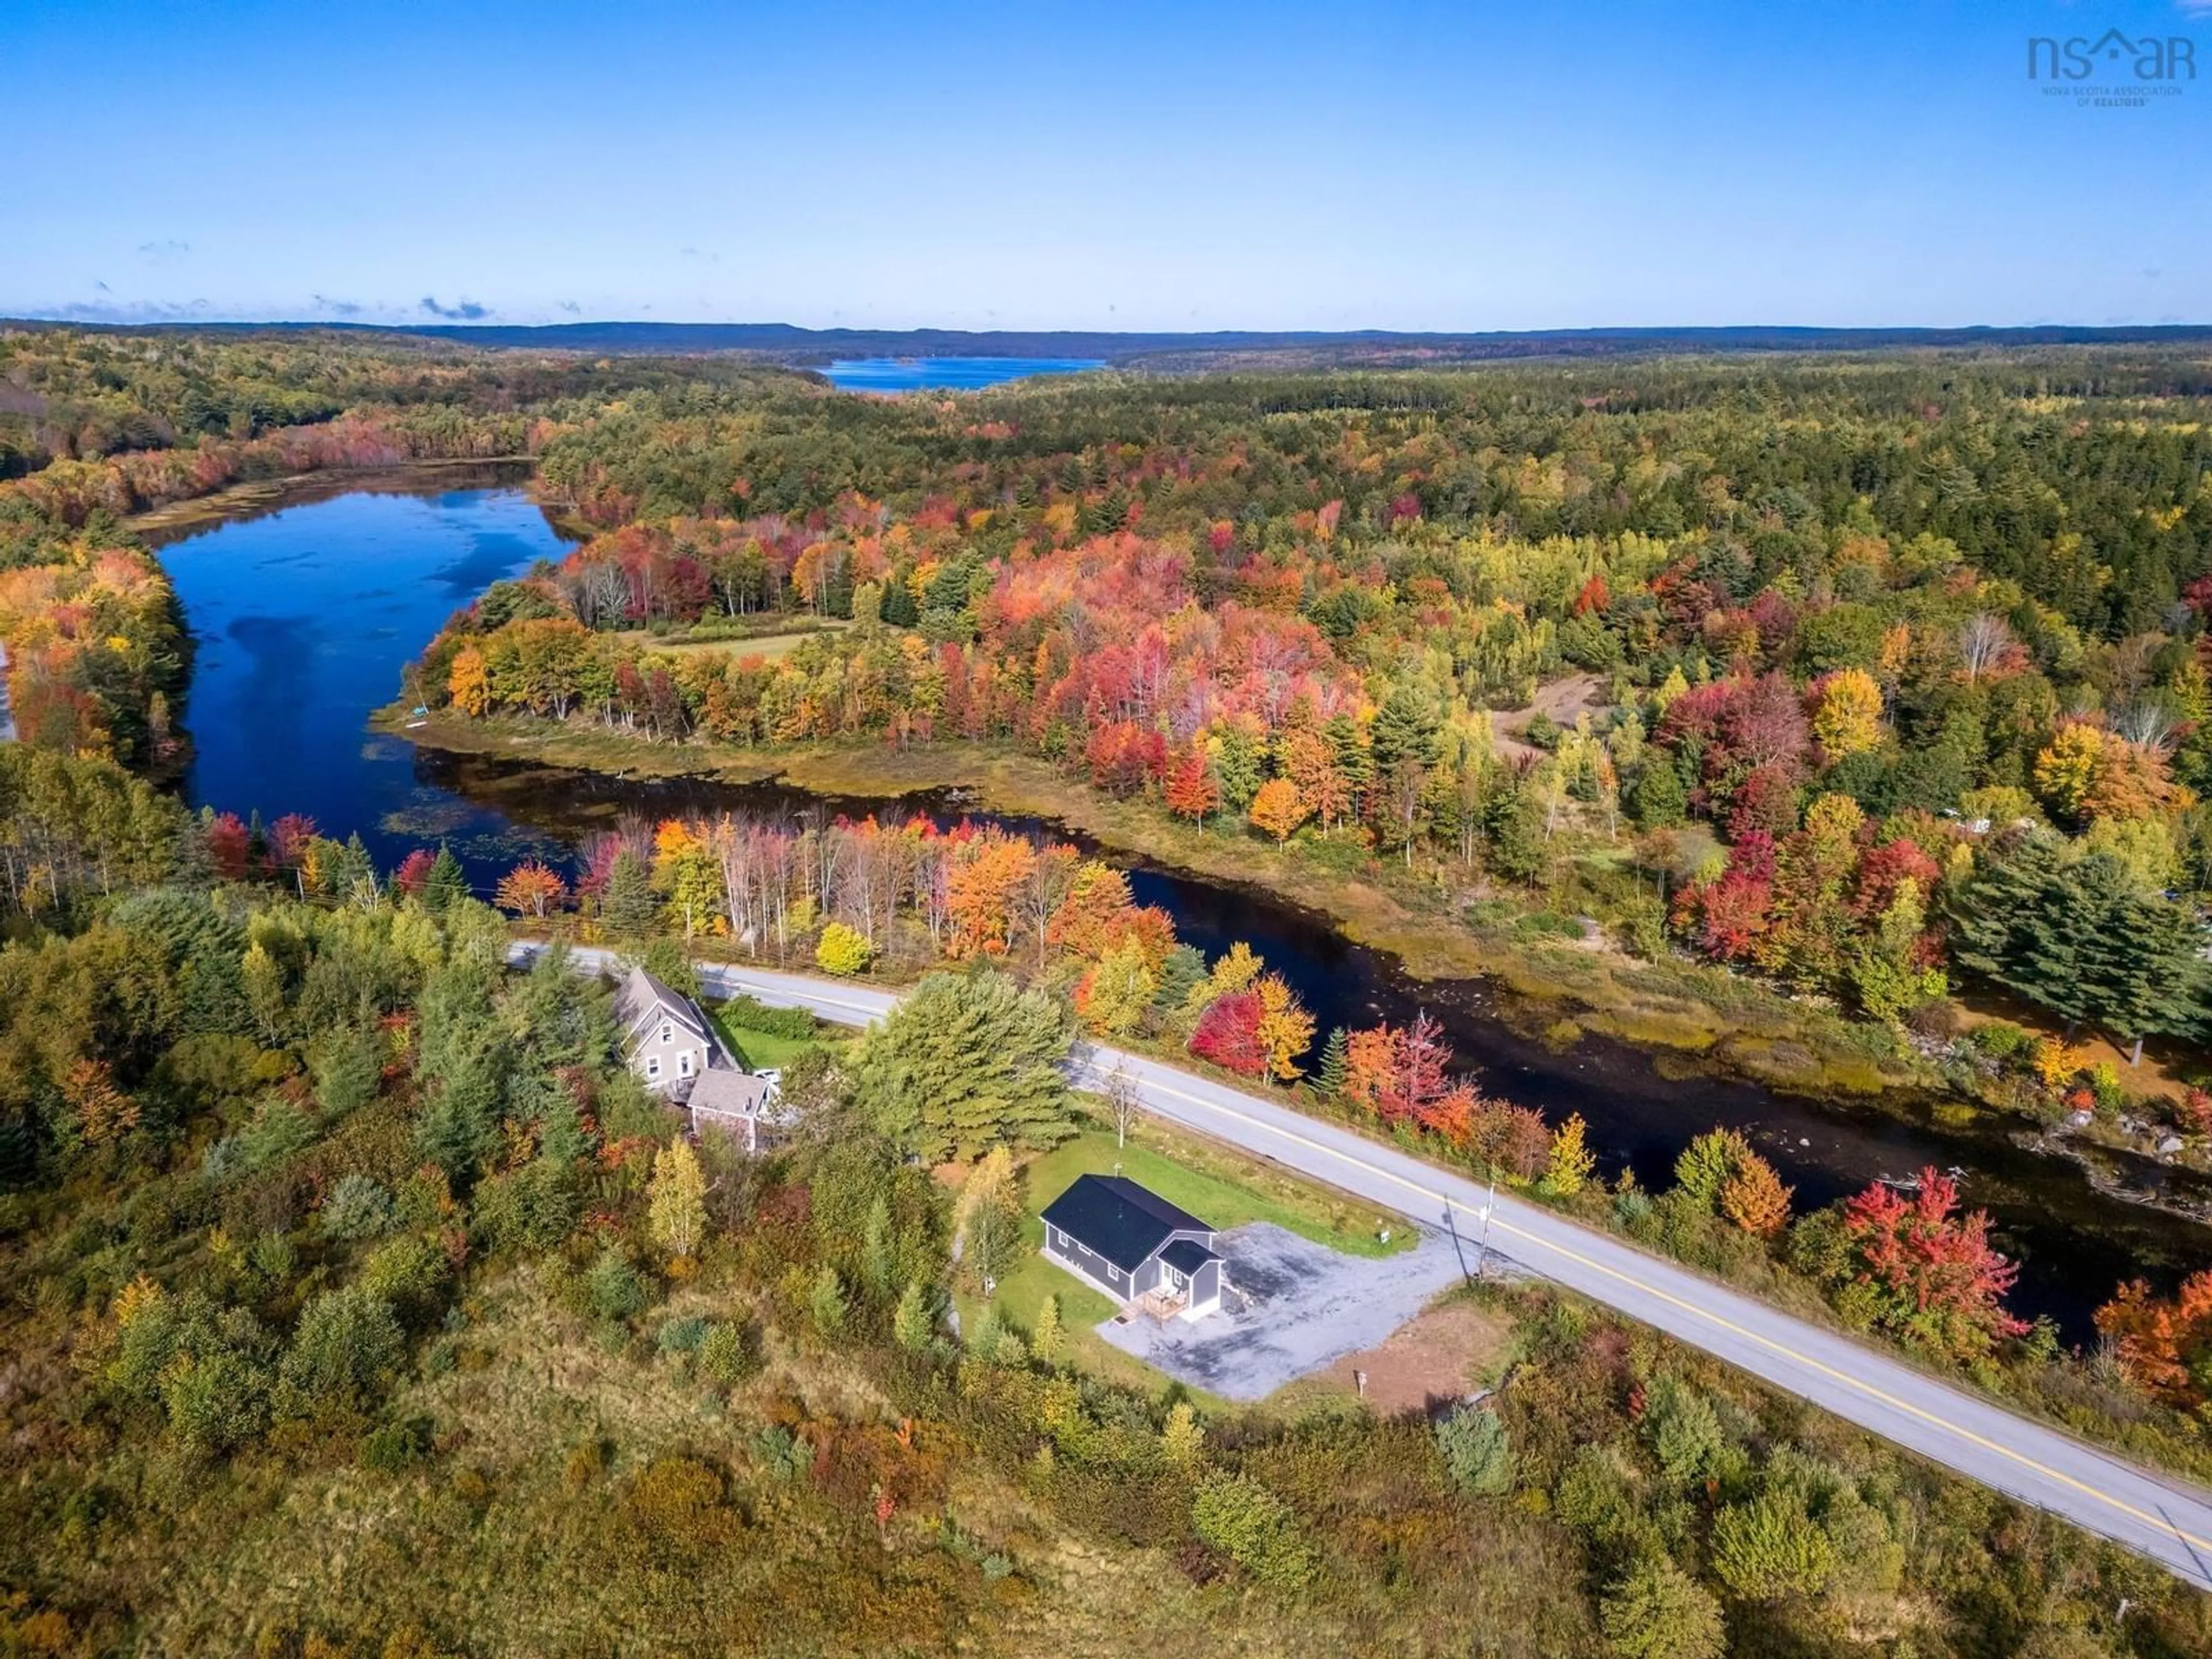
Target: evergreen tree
<point>1354,761</point>
<point>2077,936</point>
<point>628,905</point>
<point>1659,800</point>
<point>1406,732</point>
<point>899,608</point>
<point>914,1321</point>
<point>1328,1076</point>
<point>348,1070</point>
<point>447,884</point>
<point>966,1063</point>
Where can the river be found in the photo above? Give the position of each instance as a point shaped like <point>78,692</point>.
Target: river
<point>303,615</point>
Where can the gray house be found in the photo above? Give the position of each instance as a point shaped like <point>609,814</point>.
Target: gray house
<point>676,1049</point>
<point>745,1105</point>
<point>666,1035</point>
<point>1135,1246</point>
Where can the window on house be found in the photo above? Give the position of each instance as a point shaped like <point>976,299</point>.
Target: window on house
<point>652,1066</point>
<point>667,1032</point>
<point>683,1065</point>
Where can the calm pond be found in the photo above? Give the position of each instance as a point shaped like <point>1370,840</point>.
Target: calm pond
<point>303,617</point>
<point>946,373</point>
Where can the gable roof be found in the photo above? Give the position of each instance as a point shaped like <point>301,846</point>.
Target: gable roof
<point>725,1093</point>
<point>1119,1220</point>
<point>641,998</point>
<point>1187,1255</point>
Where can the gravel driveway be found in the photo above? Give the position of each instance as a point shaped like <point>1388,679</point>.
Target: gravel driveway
<point>1291,1307</point>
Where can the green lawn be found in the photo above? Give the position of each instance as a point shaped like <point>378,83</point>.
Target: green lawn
<point>1222,1188</point>
<point>759,1050</point>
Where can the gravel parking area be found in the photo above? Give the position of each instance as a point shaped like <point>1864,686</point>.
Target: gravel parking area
<point>1292,1307</point>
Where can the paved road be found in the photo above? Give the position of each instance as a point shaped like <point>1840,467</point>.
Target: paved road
<point>2161,1518</point>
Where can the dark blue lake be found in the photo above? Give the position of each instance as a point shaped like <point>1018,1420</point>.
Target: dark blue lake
<point>305,616</point>
<point>946,373</point>
<point>300,621</point>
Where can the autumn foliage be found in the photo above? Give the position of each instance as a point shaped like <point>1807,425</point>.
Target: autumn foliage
<point>1926,1272</point>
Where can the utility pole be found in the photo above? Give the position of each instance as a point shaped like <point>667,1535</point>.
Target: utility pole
<point>1482,1250</point>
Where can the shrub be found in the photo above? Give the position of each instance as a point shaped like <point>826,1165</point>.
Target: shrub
<point>1659,1612</point>
<point>1684,1431</point>
<point>1477,1452</point>
<point>842,950</point>
<point>1254,1529</point>
<point>1768,1549</point>
<point>358,1208</point>
<point>612,1288</point>
<point>531,1208</point>
<point>682,1335</point>
<point>398,1446</point>
<point>343,1355</point>
<point>409,1271</point>
<point>728,1355</point>
<point>754,1015</point>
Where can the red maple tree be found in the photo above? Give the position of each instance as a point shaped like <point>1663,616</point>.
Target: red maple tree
<point>1930,1272</point>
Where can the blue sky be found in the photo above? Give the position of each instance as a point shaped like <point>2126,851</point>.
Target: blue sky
<point>1040,165</point>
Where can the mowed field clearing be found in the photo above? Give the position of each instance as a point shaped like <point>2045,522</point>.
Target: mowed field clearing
<point>770,648</point>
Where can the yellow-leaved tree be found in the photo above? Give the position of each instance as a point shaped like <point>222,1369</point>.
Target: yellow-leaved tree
<point>676,1201</point>
<point>1847,713</point>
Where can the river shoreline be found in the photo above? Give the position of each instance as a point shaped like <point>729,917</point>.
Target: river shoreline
<point>309,616</point>
<point>240,503</point>
<point>1557,996</point>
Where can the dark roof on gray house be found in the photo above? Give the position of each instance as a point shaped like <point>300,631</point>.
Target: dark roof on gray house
<point>1187,1255</point>
<point>1119,1220</point>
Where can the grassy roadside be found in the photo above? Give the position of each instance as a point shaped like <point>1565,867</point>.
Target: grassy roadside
<point>1222,1187</point>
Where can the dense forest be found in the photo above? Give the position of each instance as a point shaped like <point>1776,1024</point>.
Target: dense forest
<point>96,428</point>
<point>359,1301</point>
<point>1872,676</point>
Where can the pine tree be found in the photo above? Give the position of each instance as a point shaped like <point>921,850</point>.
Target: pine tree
<point>1406,732</point>
<point>966,1063</point>
<point>348,1070</point>
<point>828,1305</point>
<point>913,1322</point>
<point>2078,936</point>
<point>1328,1076</point>
<point>628,906</point>
<point>447,884</point>
<point>1046,1340</point>
<point>877,1262</point>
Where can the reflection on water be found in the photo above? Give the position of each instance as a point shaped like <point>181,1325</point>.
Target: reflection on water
<point>305,617</point>
<point>302,618</point>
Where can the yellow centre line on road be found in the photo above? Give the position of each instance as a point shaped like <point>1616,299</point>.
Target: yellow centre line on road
<point>1867,1388</point>
<point>1858,1385</point>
